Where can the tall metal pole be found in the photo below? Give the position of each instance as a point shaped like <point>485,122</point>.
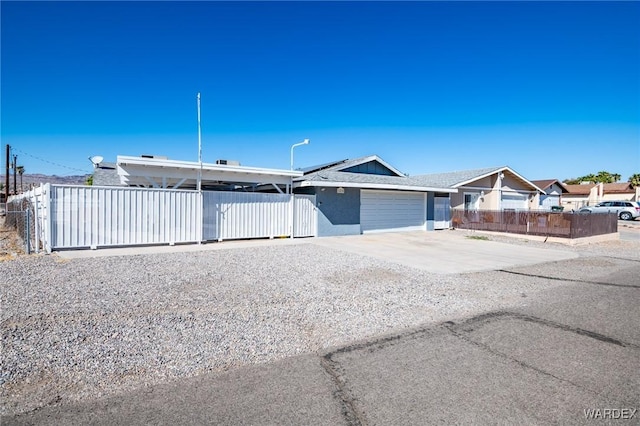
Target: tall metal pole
<point>15,186</point>
<point>200,195</point>
<point>6,175</point>
<point>199,147</point>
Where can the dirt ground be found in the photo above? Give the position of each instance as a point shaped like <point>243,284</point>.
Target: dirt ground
<point>10,244</point>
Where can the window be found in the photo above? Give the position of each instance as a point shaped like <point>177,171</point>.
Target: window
<point>471,201</point>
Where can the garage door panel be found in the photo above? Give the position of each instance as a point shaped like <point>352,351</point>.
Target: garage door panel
<point>514,201</point>
<point>391,210</point>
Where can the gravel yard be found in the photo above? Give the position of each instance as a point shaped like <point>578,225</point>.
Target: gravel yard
<point>79,329</point>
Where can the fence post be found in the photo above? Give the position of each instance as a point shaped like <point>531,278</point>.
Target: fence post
<point>36,224</point>
<point>28,231</point>
<point>47,201</point>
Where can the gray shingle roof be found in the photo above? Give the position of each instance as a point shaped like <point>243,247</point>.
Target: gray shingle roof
<point>450,179</point>
<point>363,178</point>
<point>106,175</point>
<point>334,175</point>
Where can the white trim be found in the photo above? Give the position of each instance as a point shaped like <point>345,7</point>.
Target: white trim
<point>498,170</point>
<point>368,159</point>
<point>143,171</point>
<point>194,166</point>
<point>373,186</point>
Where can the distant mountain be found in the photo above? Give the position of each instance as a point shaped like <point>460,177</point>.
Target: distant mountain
<point>29,179</point>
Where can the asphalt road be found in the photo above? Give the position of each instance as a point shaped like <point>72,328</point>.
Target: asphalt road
<point>629,230</point>
<point>571,352</point>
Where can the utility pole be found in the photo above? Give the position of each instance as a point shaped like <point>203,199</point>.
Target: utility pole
<point>6,175</point>
<point>15,181</point>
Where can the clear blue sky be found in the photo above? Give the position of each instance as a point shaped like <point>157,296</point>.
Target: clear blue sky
<point>550,89</point>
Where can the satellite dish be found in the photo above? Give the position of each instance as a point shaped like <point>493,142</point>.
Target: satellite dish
<point>96,159</point>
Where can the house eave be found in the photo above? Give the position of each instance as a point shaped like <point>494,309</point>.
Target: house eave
<point>303,184</point>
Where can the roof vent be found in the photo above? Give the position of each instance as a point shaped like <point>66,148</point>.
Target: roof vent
<point>156,157</point>
<point>228,162</point>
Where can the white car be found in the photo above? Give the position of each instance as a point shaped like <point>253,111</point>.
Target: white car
<point>626,210</point>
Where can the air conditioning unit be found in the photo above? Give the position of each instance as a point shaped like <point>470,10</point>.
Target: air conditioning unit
<point>228,162</point>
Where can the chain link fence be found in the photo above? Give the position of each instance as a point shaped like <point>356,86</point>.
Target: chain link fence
<point>19,218</point>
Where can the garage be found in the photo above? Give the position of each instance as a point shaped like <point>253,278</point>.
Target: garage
<point>382,211</point>
<point>514,202</point>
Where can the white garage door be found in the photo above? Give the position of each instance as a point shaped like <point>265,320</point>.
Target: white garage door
<point>514,202</point>
<point>392,211</point>
<point>549,200</point>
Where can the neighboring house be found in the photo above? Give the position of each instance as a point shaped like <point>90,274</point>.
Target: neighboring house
<point>620,191</point>
<point>368,194</point>
<point>589,194</point>
<point>553,192</point>
<point>494,188</point>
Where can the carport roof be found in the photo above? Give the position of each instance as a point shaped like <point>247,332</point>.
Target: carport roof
<point>164,173</point>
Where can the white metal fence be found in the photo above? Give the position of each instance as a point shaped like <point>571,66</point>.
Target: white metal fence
<point>90,217</point>
<point>238,215</point>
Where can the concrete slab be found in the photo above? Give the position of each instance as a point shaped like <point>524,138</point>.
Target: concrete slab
<point>443,252</point>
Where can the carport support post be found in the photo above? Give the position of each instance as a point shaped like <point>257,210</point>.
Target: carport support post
<point>291,213</point>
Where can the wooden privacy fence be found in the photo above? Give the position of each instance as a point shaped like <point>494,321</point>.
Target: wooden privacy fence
<point>544,223</point>
<point>89,217</point>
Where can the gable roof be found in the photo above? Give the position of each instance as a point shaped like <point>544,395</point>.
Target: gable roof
<point>546,183</point>
<point>347,164</point>
<point>461,178</point>
<point>333,175</point>
<point>456,178</point>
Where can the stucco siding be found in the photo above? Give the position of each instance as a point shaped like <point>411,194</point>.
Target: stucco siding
<point>338,214</point>
<point>509,183</point>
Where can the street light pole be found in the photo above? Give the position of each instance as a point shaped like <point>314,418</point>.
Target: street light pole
<point>304,142</point>
<point>199,185</point>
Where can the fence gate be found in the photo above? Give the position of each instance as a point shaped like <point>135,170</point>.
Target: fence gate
<point>244,215</point>
<point>305,214</point>
<point>441,213</point>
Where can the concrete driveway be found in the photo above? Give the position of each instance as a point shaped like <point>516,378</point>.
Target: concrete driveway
<point>443,252</point>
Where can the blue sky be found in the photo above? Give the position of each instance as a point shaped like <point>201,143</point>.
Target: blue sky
<point>550,89</point>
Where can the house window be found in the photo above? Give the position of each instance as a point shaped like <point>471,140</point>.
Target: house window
<point>471,201</point>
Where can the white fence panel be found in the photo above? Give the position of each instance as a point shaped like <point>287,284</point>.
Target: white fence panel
<point>243,215</point>
<point>84,216</point>
<point>305,216</point>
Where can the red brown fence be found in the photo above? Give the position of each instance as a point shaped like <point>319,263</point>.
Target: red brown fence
<point>567,225</point>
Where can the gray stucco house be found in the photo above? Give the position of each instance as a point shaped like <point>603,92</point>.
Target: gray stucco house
<point>368,194</point>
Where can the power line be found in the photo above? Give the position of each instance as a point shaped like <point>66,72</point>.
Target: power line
<point>49,162</point>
